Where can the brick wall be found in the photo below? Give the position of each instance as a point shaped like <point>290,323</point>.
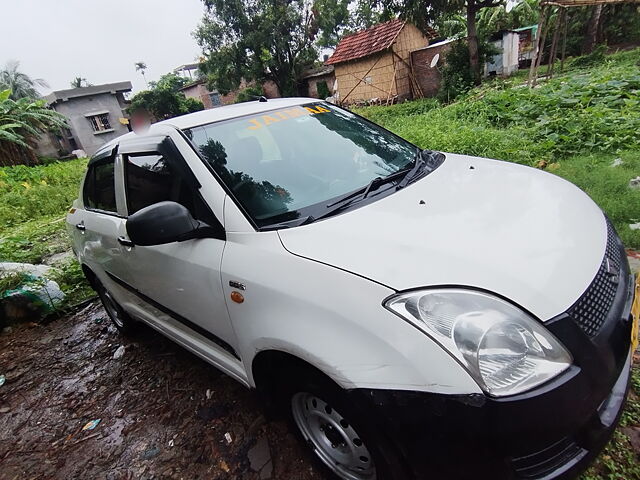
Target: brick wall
<point>429,78</point>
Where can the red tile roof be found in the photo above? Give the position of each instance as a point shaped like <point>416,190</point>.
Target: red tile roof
<point>369,41</point>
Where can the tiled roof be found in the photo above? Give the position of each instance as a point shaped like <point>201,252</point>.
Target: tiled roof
<point>369,41</point>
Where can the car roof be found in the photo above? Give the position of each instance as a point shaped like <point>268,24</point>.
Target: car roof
<point>204,117</point>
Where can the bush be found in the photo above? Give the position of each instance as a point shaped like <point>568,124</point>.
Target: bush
<point>249,94</point>
<point>457,77</point>
<point>323,90</point>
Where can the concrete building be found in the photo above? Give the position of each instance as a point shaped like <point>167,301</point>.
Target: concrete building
<point>374,64</point>
<point>95,114</point>
<point>506,62</point>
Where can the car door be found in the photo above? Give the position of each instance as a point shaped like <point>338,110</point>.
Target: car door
<point>96,222</point>
<point>179,282</point>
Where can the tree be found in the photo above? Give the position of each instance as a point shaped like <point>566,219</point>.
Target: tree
<point>260,40</point>
<point>141,67</point>
<point>164,99</point>
<point>20,84</point>
<point>590,36</point>
<point>21,121</point>
<point>79,82</point>
<point>424,12</point>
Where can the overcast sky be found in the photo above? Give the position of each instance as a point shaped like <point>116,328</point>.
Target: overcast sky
<point>58,40</point>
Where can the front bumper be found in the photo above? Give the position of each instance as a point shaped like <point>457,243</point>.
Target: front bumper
<point>551,432</point>
<point>542,435</point>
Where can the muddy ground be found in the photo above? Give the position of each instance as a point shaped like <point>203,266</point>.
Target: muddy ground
<point>163,412</point>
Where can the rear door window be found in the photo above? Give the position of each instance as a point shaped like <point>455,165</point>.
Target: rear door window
<point>100,187</point>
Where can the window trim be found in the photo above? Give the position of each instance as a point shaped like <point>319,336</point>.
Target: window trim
<point>148,149</point>
<point>96,162</point>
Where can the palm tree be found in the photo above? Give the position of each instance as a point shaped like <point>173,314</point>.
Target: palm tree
<point>141,67</point>
<point>79,82</point>
<point>21,122</point>
<point>20,84</point>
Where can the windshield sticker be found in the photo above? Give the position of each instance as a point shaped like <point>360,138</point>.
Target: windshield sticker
<point>287,114</point>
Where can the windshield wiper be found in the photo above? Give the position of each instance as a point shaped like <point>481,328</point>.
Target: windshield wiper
<point>425,161</point>
<point>296,222</point>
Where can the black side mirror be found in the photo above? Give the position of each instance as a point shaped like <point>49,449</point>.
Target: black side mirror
<point>165,222</point>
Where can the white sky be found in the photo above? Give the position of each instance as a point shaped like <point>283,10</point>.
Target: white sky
<point>58,40</point>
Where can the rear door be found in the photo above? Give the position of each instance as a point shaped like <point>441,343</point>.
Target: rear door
<point>180,282</point>
<point>95,223</point>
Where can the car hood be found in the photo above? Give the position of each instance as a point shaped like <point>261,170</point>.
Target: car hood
<point>516,231</point>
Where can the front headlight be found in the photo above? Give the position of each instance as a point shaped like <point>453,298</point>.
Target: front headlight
<point>503,348</point>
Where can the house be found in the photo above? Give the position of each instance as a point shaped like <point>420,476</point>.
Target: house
<point>527,37</point>
<point>197,88</point>
<point>317,80</point>
<point>505,62</point>
<point>95,115</point>
<point>374,63</point>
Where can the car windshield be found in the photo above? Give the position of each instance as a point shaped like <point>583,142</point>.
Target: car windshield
<point>280,164</point>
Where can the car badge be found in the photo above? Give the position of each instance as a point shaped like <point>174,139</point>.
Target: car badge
<point>612,271</point>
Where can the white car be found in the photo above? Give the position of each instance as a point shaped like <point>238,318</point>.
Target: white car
<point>416,314</point>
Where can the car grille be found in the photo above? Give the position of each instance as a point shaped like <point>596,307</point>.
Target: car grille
<point>590,311</point>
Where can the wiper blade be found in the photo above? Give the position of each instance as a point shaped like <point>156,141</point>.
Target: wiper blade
<point>296,222</point>
<point>425,161</point>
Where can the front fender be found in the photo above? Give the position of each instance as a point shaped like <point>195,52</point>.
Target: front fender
<point>330,318</point>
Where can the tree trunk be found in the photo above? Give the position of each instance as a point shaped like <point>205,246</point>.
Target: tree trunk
<point>591,34</point>
<point>472,41</point>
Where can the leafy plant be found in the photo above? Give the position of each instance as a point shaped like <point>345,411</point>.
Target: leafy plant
<point>250,93</point>
<point>164,98</point>
<point>25,118</point>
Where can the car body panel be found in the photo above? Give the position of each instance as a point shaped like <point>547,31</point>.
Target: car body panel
<point>523,234</point>
<point>331,319</point>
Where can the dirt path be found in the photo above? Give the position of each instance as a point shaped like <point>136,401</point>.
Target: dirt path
<point>163,412</point>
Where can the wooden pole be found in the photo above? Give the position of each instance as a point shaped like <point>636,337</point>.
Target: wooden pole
<point>565,28</point>
<point>542,36</point>
<point>554,43</point>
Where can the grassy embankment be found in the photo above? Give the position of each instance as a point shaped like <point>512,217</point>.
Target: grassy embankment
<point>574,126</point>
<point>33,204</point>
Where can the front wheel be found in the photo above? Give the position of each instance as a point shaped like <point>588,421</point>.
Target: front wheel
<point>118,316</point>
<point>347,443</point>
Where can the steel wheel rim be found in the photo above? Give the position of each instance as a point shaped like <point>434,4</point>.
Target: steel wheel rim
<point>332,437</point>
<point>112,308</point>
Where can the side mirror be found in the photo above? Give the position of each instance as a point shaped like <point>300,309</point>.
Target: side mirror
<point>165,222</point>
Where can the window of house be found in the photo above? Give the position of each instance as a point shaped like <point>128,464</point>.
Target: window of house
<point>100,122</point>
<point>215,99</point>
<point>99,187</point>
<point>150,179</point>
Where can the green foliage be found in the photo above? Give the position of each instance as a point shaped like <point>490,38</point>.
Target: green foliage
<point>250,93</point>
<point>33,203</point>
<point>13,280</point>
<point>457,75</point>
<point>265,40</point>
<point>323,89</point>
<point>38,191</point>
<point>25,118</point>
<point>577,123</point>
<point>164,98</point>
<point>20,84</point>
<point>592,59</point>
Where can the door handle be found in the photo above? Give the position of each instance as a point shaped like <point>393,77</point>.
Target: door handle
<point>125,242</point>
<point>80,226</point>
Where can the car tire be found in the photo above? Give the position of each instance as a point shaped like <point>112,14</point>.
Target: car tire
<point>344,443</point>
<point>122,321</point>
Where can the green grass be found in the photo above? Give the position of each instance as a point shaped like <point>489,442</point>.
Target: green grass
<point>575,125</point>
<point>33,204</point>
